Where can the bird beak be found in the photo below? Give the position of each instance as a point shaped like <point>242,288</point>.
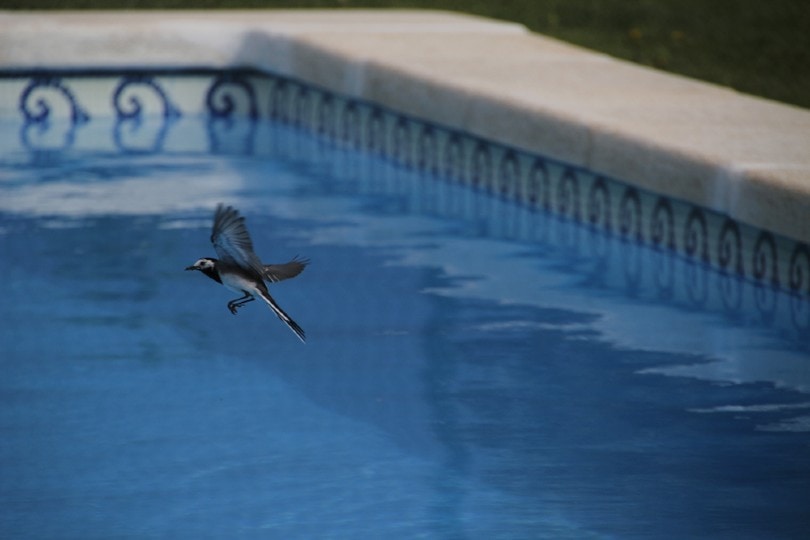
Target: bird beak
<point>191,267</point>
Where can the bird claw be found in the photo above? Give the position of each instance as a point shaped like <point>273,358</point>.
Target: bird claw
<point>233,308</point>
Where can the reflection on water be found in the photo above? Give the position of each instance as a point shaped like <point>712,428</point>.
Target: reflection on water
<point>477,369</point>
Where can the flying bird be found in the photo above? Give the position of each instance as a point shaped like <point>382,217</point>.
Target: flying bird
<point>239,269</point>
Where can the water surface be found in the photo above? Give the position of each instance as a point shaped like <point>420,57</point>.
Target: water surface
<point>474,369</point>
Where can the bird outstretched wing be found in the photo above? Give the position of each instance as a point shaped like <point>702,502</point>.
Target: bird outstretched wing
<point>278,272</point>
<point>232,241</point>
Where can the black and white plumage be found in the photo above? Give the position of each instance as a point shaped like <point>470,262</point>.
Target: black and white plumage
<point>239,269</point>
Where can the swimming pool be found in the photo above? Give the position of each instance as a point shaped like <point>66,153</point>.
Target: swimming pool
<point>483,361</point>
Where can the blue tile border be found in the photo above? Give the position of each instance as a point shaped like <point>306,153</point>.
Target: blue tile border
<point>39,111</point>
<point>696,234</point>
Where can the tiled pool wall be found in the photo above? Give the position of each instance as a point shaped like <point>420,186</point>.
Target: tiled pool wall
<point>71,99</point>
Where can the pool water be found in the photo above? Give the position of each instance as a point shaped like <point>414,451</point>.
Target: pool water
<point>474,368</point>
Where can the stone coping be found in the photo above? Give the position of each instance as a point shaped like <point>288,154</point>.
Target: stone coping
<point>743,156</point>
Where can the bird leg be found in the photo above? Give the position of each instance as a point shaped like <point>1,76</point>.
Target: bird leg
<point>233,305</point>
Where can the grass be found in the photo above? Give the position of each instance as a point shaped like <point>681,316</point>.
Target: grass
<point>758,47</point>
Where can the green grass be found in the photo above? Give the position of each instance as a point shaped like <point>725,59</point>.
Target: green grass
<point>755,46</point>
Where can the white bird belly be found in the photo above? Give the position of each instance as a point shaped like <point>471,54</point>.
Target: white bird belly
<point>238,284</point>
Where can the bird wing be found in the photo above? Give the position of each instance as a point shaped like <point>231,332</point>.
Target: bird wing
<point>232,241</point>
<point>278,272</point>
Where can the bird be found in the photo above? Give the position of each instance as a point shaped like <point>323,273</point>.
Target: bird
<point>241,270</point>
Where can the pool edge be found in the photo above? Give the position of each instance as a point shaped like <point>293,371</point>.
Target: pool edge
<point>707,145</point>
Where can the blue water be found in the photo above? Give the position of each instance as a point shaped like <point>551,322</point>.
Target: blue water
<point>473,369</point>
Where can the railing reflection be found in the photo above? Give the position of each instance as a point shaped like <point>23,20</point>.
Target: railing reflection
<point>51,115</point>
<point>144,114</point>
<point>687,255</point>
<point>607,259</point>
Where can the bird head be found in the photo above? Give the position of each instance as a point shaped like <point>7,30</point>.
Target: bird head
<point>204,264</point>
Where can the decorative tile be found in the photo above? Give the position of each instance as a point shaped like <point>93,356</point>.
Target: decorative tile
<point>694,235</point>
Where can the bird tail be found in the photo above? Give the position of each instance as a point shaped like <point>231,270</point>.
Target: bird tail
<point>286,319</point>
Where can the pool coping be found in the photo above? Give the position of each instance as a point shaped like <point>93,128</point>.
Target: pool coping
<point>739,155</point>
